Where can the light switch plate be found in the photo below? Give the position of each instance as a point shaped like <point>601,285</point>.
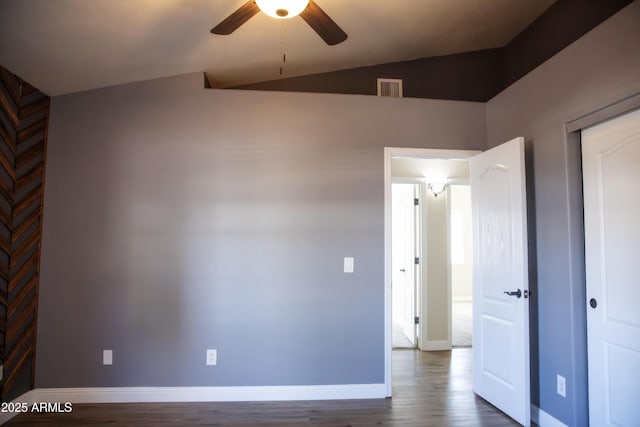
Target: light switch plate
<point>107,357</point>
<point>348,264</point>
<point>212,357</point>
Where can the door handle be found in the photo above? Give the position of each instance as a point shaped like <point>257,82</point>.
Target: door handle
<point>402,270</point>
<point>517,293</point>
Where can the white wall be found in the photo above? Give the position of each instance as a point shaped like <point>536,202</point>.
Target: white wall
<point>461,256</point>
<point>421,168</point>
<point>436,268</point>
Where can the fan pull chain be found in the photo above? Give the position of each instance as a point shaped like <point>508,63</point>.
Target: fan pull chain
<point>283,45</point>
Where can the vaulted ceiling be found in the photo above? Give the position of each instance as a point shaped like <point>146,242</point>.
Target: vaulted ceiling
<point>64,46</point>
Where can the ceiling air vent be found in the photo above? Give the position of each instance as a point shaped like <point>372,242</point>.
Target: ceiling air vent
<point>391,88</point>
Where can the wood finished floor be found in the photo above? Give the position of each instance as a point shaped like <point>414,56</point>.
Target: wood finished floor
<point>429,389</point>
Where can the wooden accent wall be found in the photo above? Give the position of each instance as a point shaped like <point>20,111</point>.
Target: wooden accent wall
<point>24,116</point>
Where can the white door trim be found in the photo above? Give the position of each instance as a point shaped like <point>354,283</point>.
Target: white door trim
<point>389,153</point>
<point>416,276</point>
<point>421,335</point>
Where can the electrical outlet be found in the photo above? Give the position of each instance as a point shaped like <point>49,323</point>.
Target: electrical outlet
<point>107,357</point>
<point>348,264</point>
<point>561,386</point>
<point>212,357</point>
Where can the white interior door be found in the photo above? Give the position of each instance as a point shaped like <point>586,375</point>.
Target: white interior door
<point>500,264</point>
<point>611,173</point>
<point>403,262</point>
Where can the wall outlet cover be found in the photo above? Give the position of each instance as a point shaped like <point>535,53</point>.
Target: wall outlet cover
<point>561,385</point>
<point>212,357</point>
<point>107,357</point>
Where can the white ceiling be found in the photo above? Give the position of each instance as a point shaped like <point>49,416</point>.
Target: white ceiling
<point>433,170</point>
<point>63,46</point>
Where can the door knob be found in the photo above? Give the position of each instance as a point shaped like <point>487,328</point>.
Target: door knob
<point>517,293</point>
<point>593,303</point>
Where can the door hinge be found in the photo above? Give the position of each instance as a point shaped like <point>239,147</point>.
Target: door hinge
<point>416,260</point>
<point>416,201</point>
<point>416,320</point>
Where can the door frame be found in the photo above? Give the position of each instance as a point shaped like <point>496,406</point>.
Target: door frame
<point>414,153</point>
<point>599,141</point>
<point>575,203</point>
<point>418,252</point>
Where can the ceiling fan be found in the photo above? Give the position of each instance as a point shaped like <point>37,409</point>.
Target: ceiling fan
<point>317,18</point>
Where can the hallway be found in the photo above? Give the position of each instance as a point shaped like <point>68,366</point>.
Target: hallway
<point>461,324</point>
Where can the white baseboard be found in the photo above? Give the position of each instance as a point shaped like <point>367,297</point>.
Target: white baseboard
<point>543,419</point>
<point>435,345</point>
<point>210,394</point>
<point>29,398</point>
<point>198,394</point>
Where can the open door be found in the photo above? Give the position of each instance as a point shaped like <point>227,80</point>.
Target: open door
<point>500,280</point>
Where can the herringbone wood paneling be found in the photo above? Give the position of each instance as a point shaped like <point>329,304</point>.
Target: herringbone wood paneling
<point>24,116</point>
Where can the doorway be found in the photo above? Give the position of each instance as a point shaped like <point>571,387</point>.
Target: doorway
<point>610,157</point>
<point>500,272</point>
<point>431,254</point>
<point>415,168</point>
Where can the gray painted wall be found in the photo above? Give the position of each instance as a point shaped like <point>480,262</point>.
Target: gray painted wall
<point>468,76</point>
<point>180,218</point>
<point>600,68</point>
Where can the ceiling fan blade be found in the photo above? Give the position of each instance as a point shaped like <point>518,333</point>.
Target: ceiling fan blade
<point>237,18</point>
<point>318,19</point>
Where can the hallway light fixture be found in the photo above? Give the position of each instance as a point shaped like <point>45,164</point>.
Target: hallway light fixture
<point>282,9</point>
<point>436,188</point>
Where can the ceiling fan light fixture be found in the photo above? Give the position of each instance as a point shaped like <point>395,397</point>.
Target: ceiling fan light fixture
<point>282,9</point>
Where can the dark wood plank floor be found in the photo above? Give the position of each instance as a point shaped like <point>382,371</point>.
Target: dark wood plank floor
<point>429,389</point>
